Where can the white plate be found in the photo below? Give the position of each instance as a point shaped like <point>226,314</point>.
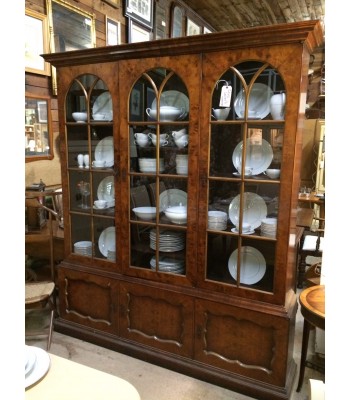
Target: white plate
<point>41,366</point>
<point>253,265</point>
<point>172,197</point>
<point>106,241</point>
<point>104,151</point>
<point>173,98</point>
<point>103,105</point>
<point>30,359</point>
<point>105,190</point>
<point>258,104</point>
<point>254,210</point>
<point>258,156</point>
<point>234,230</point>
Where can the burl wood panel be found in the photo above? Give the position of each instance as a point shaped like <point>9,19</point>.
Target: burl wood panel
<point>157,318</point>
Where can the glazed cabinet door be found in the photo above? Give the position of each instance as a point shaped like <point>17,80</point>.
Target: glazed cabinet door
<point>90,175</point>
<point>162,142</point>
<point>244,173</point>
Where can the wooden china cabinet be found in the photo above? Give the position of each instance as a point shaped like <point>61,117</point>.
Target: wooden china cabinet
<point>203,283</point>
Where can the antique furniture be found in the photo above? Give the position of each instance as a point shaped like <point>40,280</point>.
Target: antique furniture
<point>215,300</point>
<point>312,307</point>
<point>66,379</point>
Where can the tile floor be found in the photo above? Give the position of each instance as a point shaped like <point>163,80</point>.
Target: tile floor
<point>153,382</point>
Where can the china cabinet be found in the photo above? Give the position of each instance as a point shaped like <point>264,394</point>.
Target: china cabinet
<point>191,264</point>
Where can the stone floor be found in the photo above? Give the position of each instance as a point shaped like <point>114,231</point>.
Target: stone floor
<point>153,382</point>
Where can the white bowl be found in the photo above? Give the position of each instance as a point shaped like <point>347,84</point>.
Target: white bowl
<point>221,113</point>
<point>273,173</point>
<point>167,113</point>
<point>80,116</point>
<point>176,214</point>
<point>145,213</point>
<point>100,203</point>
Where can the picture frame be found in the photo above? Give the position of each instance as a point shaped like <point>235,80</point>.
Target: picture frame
<point>36,42</point>
<point>192,28</point>
<point>206,30</point>
<point>113,3</point>
<point>112,32</point>
<point>136,102</point>
<point>138,33</point>
<point>177,22</point>
<point>42,111</point>
<point>140,11</point>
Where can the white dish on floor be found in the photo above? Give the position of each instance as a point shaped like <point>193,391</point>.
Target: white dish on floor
<point>106,241</point>
<point>253,265</point>
<point>105,190</point>
<point>41,366</point>
<point>104,151</point>
<point>258,156</point>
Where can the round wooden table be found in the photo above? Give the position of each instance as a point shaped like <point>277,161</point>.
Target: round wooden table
<point>312,303</point>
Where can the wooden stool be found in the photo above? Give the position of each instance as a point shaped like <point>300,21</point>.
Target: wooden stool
<point>312,303</point>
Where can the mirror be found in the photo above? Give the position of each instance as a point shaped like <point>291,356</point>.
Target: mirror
<point>38,133</point>
<point>70,29</point>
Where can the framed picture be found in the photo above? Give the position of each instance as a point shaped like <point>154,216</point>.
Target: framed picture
<point>192,28</point>
<point>112,32</point>
<point>177,19</point>
<point>136,103</point>
<point>138,33</point>
<point>113,3</point>
<point>206,30</point>
<point>36,42</point>
<point>140,11</point>
<point>42,111</point>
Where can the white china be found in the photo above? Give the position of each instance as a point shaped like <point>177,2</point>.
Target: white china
<point>30,359</point>
<point>40,368</point>
<point>167,113</point>
<point>221,114</point>
<point>258,156</point>
<point>105,190</point>
<point>83,247</point>
<point>253,265</point>
<point>168,264</point>
<point>145,213</point>
<point>217,220</point>
<point>106,241</point>
<point>259,102</point>
<point>86,160</point>
<point>163,139</point>
<point>172,197</point>
<point>176,214</point>
<point>99,164</point>
<point>254,210</point>
<point>80,159</point>
<point>179,133</point>
<point>80,116</point>
<point>182,141</point>
<point>269,227</point>
<point>273,173</point>
<point>104,151</point>
<point>168,241</point>
<point>150,165</point>
<point>103,107</point>
<point>277,106</point>
<point>173,98</point>
<point>100,203</point>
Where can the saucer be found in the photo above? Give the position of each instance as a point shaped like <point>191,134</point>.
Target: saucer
<point>99,208</point>
<point>239,175</point>
<point>234,230</point>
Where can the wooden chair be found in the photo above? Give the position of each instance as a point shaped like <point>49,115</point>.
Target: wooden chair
<point>40,296</point>
<point>311,245</point>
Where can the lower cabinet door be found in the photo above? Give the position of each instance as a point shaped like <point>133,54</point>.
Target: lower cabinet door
<point>245,342</point>
<point>157,318</point>
<point>88,299</point>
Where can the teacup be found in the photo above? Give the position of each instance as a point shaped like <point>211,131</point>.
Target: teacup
<point>141,139</point>
<point>177,134</point>
<point>221,113</point>
<point>246,227</point>
<point>182,141</point>
<point>162,139</point>
<point>273,173</point>
<point>98,163</point>
<point>100,203</point>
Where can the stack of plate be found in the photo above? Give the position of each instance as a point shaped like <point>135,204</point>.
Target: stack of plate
<point>84,247</point>
<point>150,164</point>
<point>111,255</point>
<point>168,240</point>
<point>217,220</point>
<point>268,227</point>
<point>182,164</point>
<point>167,264</point>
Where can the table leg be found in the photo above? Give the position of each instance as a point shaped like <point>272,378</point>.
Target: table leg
<point>305,344</point>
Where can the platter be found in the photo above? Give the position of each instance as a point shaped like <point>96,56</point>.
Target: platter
<point>173,98</point>
<point>103,106</point>
<point>104,151</point>
<point>172,197</point>
<point>30,359</point>
<point>258,104</point>
<point>40,368</point>
<point>106,241</point>
<point>254,210</point>
<point>105,190</point>
<point>258,156</point>
<point>253,265</point>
